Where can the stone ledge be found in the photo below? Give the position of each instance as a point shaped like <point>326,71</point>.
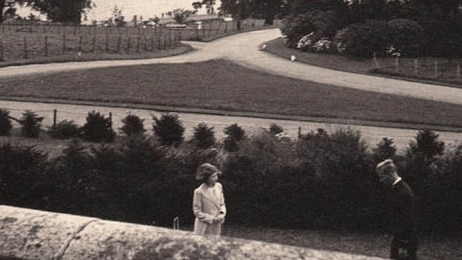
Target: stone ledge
<point>33,234</point>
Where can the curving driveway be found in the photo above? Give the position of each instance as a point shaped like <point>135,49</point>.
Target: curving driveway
<point>244,49</point>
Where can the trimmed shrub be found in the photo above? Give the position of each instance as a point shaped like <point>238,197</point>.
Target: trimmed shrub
<point>235,134</point>
<point>406,36</point>
<point>364,39</point>
<point>97,128</point>
<point>204,136</point>
<point>168,129</point>
<point>132,125</point>
<point>5,122</point>
<point>64,130</point>
<point>30,124</point>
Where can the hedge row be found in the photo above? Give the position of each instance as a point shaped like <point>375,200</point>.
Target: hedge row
<point>318,180</point>
<point>365,28</point>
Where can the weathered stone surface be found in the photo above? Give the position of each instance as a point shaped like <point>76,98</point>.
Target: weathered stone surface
<point>31,234</point>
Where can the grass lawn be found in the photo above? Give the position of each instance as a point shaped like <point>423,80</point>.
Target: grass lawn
<point>195,85</point>
<point>447,71</point>
<point>430,248</point>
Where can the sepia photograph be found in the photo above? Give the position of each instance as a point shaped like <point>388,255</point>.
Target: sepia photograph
<point>230,129</point>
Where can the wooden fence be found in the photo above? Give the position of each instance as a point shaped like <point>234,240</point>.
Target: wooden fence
<point>30,41</point>
<point>439,69</point>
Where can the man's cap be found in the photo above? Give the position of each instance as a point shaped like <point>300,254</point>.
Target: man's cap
<point>384,164</point>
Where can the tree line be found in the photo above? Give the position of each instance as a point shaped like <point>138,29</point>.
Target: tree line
<point>318,180</point>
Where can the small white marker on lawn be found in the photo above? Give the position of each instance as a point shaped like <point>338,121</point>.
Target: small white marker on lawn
<point>293,58</point>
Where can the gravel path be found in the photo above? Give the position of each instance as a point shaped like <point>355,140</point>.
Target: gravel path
<point>244,49</point>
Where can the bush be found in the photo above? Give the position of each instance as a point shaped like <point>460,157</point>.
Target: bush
<point>318,23</point>
<point>23,176</point>
<point>406,36</point>
<point>30,124</point>
<point>132,125</point>
<point>5,122</point>
<point>384,150</point>
<point>97,128</point>
<point>442,38</point>
<point>64,130</point>
<point>364,39</point>
<point>168,129</point>
<point>204,136</point>
<point>234,134</point>
<point>275,129</point>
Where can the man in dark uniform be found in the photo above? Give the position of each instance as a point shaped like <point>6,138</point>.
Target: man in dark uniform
<point>404,243</point>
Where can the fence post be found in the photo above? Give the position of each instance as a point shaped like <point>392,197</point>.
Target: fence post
<point>110,120</point>
<point>46,45</point>
<point>64,43</point>
<point>416,66</point>
<point>138,44</point>
<point>397,64</point>
<point>93,47</point>
<point>25,47</point>
<point>80,43</point>
<point>458,70</point>
<point>55,115</point>
<point>376,62</point>
<point>299,135</point>
<point>2,57</point>
<point>129,43</point>
<point>152,43</point>
<point>119,43</point>
<point>106,44</point>
<point>436,68</point>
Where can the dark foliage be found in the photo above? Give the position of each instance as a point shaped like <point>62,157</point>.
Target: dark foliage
<point>23,177</point>
<point>234,134</point>
<point>64,130</point>
<point>168,129</point>
<point>275,129</point>
<point>97,128</point>
<point>132,125</point>
<point>204,136</point>
<point>319,180</point>
<point>30,124</point>
<point>5,122</point>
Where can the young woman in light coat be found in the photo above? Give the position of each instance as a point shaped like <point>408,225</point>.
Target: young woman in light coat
<point>208,202</point>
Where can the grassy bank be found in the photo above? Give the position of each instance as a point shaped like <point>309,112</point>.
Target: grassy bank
<point>427,69</point>
<point>195,85</point>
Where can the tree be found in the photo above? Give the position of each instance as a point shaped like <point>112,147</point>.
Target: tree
<point>442,9</point>
<point>242,9</point>
<point>169,129</point>
<point>235,134</point>
<point>204,136</point>
<point>97,128</point>
<point>64,11</point>
<point>385,149</point>
<point>5,122</point>
<point>30,124</point>
<point>426,146</point>
<point>208,5</point>
<point>180,15</point>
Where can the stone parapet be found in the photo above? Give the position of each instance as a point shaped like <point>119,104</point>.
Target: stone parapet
<point>33,234</point>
